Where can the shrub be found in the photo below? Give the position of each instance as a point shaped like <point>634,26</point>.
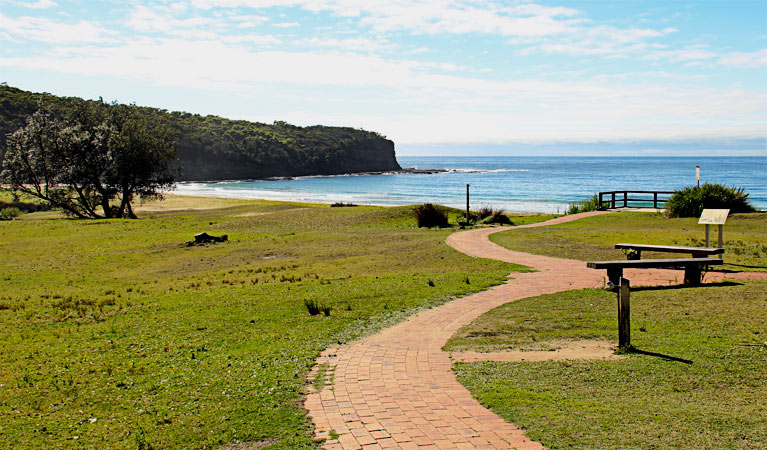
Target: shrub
<point>341,205</point>
<point>586,205</point>
<point>9,213</point>
<point>429,215</point>
<point>463,223</point>
<point>692,200</point>
<point>484,212</point>
<point>497,217</point>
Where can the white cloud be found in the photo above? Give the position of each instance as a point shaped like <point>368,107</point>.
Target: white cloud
<point>422,103</point>
<point>287,24</point>
<point>747,60</point>
<point>351,44</point>
<point>428,16</point>
<point>40,4</point>
<point>146,19</point>
<point>40,29</point>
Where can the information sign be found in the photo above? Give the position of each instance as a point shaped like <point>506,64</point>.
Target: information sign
<point>713,216</point>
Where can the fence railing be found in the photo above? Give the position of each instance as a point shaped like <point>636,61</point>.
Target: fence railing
<point>626,199</point>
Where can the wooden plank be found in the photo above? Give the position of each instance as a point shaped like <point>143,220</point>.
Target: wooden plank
<point>624,314</point>
<point>673,249</point>
<point>655,263</point>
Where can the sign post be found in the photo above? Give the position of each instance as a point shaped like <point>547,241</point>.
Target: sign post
<point>624,314</point>
<point>697,175</point>
<point>714,217</point>
<point>467,203</point>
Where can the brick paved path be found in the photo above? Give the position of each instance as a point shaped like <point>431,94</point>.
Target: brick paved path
<point>396,389</point>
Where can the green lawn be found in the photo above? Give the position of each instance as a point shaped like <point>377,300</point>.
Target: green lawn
<point>593,238</point>
<point>698,383</point>
<point>113,334</point>
<point>697,380</point>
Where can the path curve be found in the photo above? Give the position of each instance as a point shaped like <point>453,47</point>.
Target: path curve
<point>396,389</point>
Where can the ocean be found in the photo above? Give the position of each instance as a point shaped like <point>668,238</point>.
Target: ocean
<point>513,183</point>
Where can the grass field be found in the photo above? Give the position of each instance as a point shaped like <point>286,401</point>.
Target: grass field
<point>592,239</point>
<point>114,334</point>
<point>699,382</point>
<point>698,377</point>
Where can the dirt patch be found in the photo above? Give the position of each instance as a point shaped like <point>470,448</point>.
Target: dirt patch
<point>255,445</point>
<point>562,350</point>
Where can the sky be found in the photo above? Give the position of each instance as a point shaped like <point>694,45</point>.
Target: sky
<point>435,76</point>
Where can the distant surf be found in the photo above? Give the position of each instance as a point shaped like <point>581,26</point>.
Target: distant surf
<point>519,184</point>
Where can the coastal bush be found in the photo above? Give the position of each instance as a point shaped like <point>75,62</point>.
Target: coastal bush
<point>429,215</point>
<point>497,217</point>
<point>9,213</point>
<point>341,205</point>
<point>484,212</point>
<point>692,200</point>
<point>586,205</point>
<point>462,222</point>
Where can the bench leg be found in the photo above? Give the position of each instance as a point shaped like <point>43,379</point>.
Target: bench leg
<point>692,275</point>
<point>614,275</point>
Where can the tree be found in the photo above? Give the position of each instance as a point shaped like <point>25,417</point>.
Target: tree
<point>99,158</point>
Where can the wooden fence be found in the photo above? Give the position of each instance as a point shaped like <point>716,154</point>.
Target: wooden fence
<point>633,199</point>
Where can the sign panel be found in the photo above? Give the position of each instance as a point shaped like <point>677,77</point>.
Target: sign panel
<point>713,216</point>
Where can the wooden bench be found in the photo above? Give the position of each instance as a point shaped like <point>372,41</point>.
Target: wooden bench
<point>692,267</point>
<point>695,252</point>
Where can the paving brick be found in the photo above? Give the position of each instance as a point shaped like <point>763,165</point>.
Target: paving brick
<point>396,389</point>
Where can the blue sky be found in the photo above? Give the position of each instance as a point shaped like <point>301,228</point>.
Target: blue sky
<point>435,76</point>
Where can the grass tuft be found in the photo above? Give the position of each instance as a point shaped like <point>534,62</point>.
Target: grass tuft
<point>429,215</point>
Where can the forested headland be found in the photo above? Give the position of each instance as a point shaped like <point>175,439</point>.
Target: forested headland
<point>215,148</point>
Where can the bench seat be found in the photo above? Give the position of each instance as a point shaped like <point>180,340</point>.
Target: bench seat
<point>692,267</point>
<point>694,251</point>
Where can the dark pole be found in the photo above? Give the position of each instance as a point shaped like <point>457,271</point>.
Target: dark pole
<point>467,203</point>
<point>624,314</point>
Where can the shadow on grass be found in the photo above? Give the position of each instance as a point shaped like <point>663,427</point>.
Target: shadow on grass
<point>738,265</point>
<point>633,350</point>
<point>684,286</point>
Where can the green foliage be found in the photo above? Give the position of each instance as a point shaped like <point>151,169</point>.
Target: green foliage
<point>586,205</point>
<point>342,205</point>
<point>214,148</point>
<point>9,213</point>
<point>429,215</point>
<point>694,381</point>
<point>85,161</point>
<point>484,212</point>
<point>461,221</point>
<point>692,200</point>
<point>496,217</point>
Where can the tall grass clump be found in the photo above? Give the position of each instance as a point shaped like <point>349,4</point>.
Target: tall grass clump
<point>692,200</point>
<point>429,215</point>
<point>497,217</point>
<point>586,205</point>
<point>312,306</point>
<point>9,213</point>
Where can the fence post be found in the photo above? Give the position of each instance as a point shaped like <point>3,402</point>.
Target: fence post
<point>613,200</point>
<point>625,199</point>
<point>467,204</point>
<point>655,200</point>
<point>624,314</point>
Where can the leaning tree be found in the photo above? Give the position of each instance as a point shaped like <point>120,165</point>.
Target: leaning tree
<point>92,163</point>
